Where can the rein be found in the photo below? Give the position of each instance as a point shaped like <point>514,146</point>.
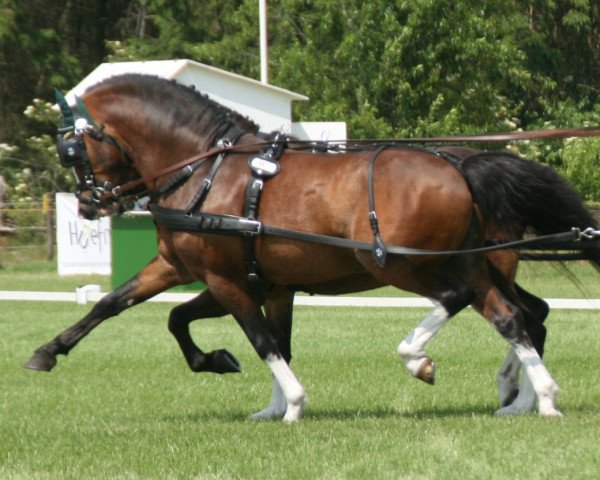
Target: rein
<point>131,186</point>
<point>345,144</point>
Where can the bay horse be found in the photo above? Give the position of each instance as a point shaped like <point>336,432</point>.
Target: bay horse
<point>142,126</point>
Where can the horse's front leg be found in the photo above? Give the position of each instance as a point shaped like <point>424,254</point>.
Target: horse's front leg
<point>155,278</point>
<point>202,306</point>
<point>279,307</point>
<point>239,300</point>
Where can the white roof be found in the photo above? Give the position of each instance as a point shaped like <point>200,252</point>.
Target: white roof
<point>266,104</point>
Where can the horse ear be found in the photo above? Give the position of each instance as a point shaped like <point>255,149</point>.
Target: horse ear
<point>66,114</point>
<point>83,111</point>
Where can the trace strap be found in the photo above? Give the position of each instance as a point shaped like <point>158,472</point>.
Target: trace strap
<point>232,225</point>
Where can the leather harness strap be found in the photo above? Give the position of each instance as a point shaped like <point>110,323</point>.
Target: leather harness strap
<point>262,166</point>
<point>378,250</point>
<point>232,225</point>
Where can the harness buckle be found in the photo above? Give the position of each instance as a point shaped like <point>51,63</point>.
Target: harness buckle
<point>251,228</point>
<point>89,181</point>
<point>587,234</point>
<point>81,126</point>
<point>224,143</point>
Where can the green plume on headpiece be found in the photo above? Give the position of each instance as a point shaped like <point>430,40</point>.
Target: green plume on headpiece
<point>66,114</point>
<point>84,111</point>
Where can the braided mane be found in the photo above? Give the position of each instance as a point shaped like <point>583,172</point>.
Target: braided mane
<point>183,104</point>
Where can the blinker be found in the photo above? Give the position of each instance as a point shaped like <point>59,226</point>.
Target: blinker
<point>71,151</point>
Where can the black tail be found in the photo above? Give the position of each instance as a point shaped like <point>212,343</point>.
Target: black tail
<point>517,194</point>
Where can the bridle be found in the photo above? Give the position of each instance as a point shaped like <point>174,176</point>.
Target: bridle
<point>76,123</point>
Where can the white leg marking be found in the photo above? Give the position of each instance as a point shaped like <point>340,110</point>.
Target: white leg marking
<point>277,407</point>
<point>526,399</point>
<point>507,378</point>
<point>539,380</point>
<point>412,348</point>
<point>290,386</point>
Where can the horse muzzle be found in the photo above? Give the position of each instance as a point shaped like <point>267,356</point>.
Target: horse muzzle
<point>97,202</point>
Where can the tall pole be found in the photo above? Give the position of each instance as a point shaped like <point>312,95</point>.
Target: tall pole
<point>262,13</point>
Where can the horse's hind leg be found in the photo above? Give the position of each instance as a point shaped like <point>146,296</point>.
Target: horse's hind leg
<point>450,294</point>
<point>510,323</point>
<point>202,306</point>
<point>538,311</point>
<point>507,380</point>
<point>156,277</point>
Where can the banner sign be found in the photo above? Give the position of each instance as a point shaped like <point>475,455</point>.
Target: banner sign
<point>83,246</point>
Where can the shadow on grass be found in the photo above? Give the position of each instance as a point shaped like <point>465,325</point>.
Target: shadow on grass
<point>357,414</point>
<point>343,414</point>
<point>454,411</point>
<point>390,413</point>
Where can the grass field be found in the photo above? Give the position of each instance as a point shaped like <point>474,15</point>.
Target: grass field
<point>123,404</point>
<point>542,278</point>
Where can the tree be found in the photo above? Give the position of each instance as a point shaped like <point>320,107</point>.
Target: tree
<point>45,45</point>
<point>358,61</point>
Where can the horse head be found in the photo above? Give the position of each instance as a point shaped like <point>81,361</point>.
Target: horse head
<point>98,159</point>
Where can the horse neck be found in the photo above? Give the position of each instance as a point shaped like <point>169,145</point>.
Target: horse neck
<point>155,143</point>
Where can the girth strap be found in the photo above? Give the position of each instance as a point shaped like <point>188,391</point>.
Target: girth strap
<point>263,166</point>
<point>179,220</point>
<point>253,191</point>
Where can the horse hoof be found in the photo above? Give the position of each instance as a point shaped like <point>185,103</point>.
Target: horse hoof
<point>552,413</point>
<point>41,361</point>
<point>427,371</point>
<point>221,361</point>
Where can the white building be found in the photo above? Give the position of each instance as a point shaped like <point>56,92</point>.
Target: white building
<point>267,105</point>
